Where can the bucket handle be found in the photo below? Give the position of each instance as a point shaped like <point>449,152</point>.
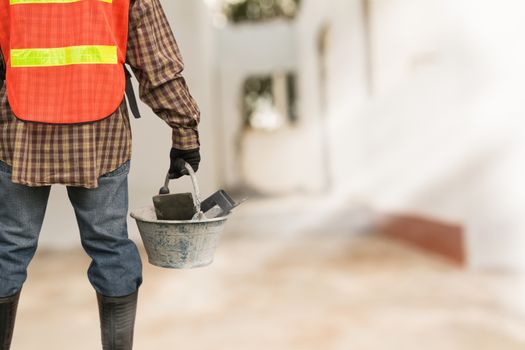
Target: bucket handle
<point>185,169</point>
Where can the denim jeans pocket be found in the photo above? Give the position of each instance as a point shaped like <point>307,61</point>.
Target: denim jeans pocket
<point>5,168</point>
<point>122,169</point>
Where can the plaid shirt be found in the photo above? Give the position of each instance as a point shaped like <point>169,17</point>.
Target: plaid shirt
<point>76,155</point>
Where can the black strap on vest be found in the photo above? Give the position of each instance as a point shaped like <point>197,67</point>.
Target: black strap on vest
<point>130,93</point>
<point>2,73</point>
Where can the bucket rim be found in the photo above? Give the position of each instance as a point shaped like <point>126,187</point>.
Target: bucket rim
<point>137,217</point>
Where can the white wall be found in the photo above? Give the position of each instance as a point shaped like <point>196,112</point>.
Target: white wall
<point>346,85</point>
<point>291,158</point>
<point>243,51</point>
<point>442,135</point>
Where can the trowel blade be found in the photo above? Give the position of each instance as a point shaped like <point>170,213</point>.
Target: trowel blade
<point>219,204</point>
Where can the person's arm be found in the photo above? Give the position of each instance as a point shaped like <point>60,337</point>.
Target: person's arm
<point>154,57</point>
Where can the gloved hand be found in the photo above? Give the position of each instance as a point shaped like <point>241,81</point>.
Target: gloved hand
<point>192,157</point>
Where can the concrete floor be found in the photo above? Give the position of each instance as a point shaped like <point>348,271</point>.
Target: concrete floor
<point>291,274</point>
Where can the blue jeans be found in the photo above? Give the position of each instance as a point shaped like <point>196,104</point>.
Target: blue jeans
<point>101,213</point>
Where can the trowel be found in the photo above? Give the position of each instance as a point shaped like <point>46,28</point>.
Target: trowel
<point>219,204</point>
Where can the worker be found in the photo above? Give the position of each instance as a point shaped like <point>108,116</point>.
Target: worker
<point>64,120</point>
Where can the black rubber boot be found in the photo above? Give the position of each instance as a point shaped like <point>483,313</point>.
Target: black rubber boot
<point>117,321</point>
<point>8,308</point>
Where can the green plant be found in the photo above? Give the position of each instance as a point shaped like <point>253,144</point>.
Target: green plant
<point>238,11</point>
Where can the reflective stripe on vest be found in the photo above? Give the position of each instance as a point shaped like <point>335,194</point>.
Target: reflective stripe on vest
<point>19,2</point>
<point>63,56</point>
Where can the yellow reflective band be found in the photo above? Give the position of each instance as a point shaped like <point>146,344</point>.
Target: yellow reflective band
<point>63,56</point>
<point>19,2</point>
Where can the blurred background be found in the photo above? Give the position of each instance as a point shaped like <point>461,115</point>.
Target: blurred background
<point>380,144</point>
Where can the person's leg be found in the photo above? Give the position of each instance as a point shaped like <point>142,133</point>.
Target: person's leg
<point>22,211</point>
<point>116,268</point>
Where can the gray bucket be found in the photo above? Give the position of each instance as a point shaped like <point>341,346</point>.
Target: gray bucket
<point>179,244</point>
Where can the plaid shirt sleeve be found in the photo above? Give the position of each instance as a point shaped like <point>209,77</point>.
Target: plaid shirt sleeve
<point>154,57</point>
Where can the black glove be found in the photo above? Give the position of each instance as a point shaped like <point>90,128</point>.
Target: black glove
<point>191,156</point>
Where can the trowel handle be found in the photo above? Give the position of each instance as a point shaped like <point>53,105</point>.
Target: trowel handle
<point>196,192</point>
<point>180,167</point>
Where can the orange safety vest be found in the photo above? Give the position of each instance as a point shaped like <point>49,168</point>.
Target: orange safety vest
<point>64,58</point>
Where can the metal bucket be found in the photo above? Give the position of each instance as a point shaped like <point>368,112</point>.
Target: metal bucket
<point>179,244</point>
